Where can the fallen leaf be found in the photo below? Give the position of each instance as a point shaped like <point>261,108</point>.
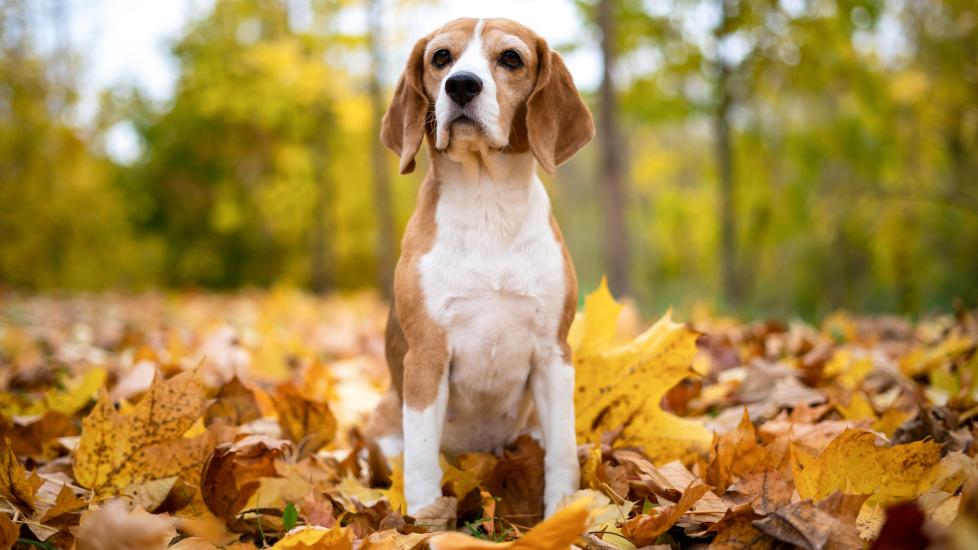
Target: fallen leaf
<point>853,463</point>
<point>118,450</point>
<point>805,526</point>
<point>317,510</point>
<point>14,485</point>
<point>556,533</point>
<point>233,472</point>
<point>316,538</point>
<point>517,481</point>
<point>644,529</point>
<point>115,527</point>
<point>736,531</point>
<point>9,531</point>
<point>309,424</point>
<point>620,386</point>
<point>235,405</point>
<point>65,503</point>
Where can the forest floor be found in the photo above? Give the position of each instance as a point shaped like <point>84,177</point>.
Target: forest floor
<point>201,421</point>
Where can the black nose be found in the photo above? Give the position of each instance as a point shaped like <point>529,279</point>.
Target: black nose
<point>462,87</point>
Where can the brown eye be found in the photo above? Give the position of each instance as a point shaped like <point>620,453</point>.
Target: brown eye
<point>511,59</point>
<point>441,58</point>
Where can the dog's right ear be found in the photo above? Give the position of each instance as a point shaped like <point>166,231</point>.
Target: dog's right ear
<point>403,126</point>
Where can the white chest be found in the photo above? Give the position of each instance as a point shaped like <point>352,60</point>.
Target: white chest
<point>494,281</point>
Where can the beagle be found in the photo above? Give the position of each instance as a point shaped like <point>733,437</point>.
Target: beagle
<point>484,291</point>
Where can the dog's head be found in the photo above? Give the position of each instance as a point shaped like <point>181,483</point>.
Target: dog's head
<point>487,83</point>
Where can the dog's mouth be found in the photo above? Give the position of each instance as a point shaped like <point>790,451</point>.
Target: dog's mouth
<point>464,120</point>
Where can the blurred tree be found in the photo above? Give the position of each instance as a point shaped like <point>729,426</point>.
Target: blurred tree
<point>612,171</point>
<point>236,176</point>
<point>61,222</point>
<point>379,156</point>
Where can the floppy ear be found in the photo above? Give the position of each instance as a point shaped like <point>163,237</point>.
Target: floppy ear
<point>403,126</point>
<point>558,123</point>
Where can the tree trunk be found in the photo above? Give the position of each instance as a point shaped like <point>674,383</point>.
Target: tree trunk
<point>612,164</point>
<point>379,156</point>
<point>322,253</point>
<point>725,171</point>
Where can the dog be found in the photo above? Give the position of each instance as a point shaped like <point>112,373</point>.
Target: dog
<point>484,290</point>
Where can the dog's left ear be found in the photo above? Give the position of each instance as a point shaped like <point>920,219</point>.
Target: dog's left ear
<point>403,126</point>
<point>558,122</point>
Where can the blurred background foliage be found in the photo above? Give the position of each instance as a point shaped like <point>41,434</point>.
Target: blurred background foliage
<point>758,156</point>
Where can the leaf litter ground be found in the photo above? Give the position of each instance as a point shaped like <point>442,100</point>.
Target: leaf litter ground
<point>200,421</point>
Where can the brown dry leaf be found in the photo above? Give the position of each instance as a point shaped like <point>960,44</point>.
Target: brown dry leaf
<point>233,472</point>
<point>118,450</point>
<point>556,533</point>
<point>517,481</point>
<point>14,485</point>
<point>9,532</point>
<point>644,529</point>
<point>621,386</point>
<point>736,531</point>
<point>654,479</point>
<point>393,540</point>
<point>115,527</point>
<point>804,525</point>
<point>317,510</point>
<point>734,454</point>
<point>308,423</point>
<point>66,502</point>
<point>768,490</point>
<point>235,405</point>
<point>36,436</point>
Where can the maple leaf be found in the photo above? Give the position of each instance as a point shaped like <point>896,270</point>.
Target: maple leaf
<point>621,386</point>
<point>117,450</point>
<point>853,463</point>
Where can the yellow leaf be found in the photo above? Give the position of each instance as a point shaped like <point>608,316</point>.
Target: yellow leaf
<point>14,485</point>
<point>316,538</point>
<point>395,493</point>
<point>858,408</point>
<point>892,419</point>
<point>557,532</point>
<point>475,468</point>
<point>69,399</point>
<point>853,464</point>
<point>621,386</point>
<point>849,367</point>
<point>118,450</point>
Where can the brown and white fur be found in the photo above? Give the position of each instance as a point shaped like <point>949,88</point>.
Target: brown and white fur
<point>484,290</point>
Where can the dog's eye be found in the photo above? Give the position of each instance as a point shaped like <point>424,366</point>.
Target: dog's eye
<point>511,59</point>
<point>441,58</point>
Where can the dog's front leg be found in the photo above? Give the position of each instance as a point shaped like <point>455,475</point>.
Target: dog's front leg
<point>553,396</point>
<point>425,401</point>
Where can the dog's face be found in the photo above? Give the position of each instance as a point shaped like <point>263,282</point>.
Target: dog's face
<point>487,84</point>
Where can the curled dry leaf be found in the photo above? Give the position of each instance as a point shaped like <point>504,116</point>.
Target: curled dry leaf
<point>644,529</point>
<point>233,472</point>
<point>310,424</point>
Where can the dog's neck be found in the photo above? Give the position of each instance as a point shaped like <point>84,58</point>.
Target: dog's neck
<point>489,194</point>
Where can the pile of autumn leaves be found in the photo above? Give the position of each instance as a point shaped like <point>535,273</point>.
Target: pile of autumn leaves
<point>203,422</point>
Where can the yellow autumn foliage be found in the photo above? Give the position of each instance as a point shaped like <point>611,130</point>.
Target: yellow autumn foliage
<point>621,386</point>
<point>854,464</point>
